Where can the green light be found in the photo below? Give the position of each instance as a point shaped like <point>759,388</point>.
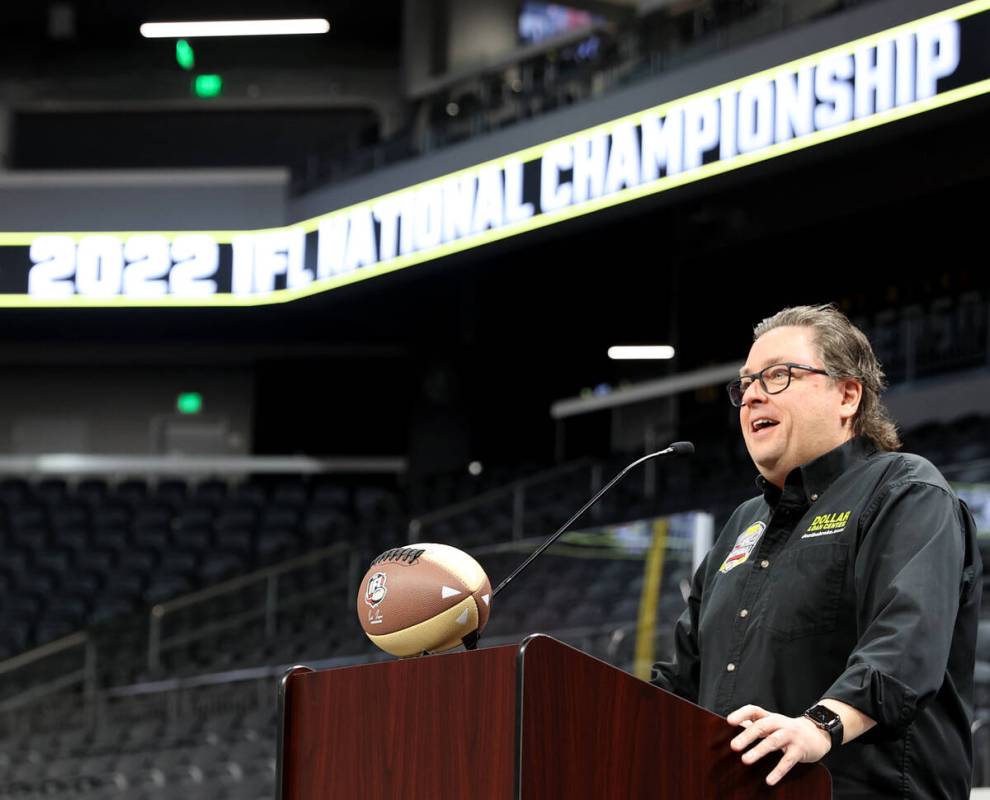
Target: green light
<point>184,54</point>
<point>189,403</point>
<point>208,85</point>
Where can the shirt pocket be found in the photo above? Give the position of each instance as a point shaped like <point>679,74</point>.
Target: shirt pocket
<point>805,590</point>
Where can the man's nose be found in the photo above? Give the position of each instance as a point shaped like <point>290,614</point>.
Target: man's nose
<point>754,394</point>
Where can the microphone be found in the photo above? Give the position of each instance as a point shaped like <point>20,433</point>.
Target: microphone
<point>676,449</point>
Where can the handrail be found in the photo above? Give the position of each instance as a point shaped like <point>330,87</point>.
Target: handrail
<point>245,580</point>
<point>516,489</point>
<point>270,575</point>
<point>273,670</point>
<point>28,696</point>
<point>231,622</point>
<point>265,673</point>
<point>45,650</point>
<point>86,675</point>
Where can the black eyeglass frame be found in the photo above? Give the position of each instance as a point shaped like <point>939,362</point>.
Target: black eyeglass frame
<point>736,384</point>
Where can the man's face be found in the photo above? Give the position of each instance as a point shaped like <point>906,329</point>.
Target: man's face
<point>810,417</point>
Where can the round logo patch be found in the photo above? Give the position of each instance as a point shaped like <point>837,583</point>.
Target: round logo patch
<point>745,544</point>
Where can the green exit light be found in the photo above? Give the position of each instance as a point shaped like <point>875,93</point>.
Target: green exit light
<point>184,54</point>
<point>208,85</point>
<point>189,403</point>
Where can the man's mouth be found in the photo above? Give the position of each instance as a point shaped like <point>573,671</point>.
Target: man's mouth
<point>762,423</point>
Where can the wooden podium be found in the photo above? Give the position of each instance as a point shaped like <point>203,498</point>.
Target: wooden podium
<point>536,721</point>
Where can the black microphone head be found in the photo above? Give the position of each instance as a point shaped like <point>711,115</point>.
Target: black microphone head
<point>682,448</point>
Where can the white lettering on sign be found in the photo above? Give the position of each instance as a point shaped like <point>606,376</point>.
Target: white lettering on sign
<point>195,260</point>
<point>140,266</point>
<point>751,115</point>
<point>565,177</point>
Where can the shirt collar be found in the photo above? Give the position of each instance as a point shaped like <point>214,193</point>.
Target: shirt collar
<point>806,483</point>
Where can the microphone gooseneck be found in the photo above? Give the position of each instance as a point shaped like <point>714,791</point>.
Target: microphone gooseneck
<point>676,449</point>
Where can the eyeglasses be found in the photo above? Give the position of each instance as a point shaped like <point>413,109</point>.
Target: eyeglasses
<point>774,379</point>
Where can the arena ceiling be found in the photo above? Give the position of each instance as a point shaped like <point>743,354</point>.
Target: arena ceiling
<point>94,25</point>
<point>73,52</point>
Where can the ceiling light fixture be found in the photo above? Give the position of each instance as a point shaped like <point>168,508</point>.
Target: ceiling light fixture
<point>641,352</point>
<point>236,27</point>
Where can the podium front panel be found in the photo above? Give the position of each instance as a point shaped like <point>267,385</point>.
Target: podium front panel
<point>433,728</point>
<point>593,732</point>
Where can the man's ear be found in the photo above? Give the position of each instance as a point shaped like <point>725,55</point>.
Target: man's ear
<point>852,396</point>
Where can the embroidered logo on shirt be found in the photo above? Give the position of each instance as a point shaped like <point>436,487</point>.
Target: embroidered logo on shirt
<point>826,524</point>
<point>743,547</point>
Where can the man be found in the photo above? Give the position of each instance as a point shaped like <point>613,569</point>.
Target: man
<point>849,589</point>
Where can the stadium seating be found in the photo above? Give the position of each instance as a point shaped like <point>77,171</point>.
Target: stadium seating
<point>75,556</point>
<point>98,554</point>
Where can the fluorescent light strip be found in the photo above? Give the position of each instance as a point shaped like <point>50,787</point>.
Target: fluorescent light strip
<point>658,352</point>
<point>241,27</point>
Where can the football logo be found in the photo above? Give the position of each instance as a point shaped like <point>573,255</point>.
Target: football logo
<point>376,590</point>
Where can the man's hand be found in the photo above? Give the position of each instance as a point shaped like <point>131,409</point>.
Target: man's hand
<point>798,737</point>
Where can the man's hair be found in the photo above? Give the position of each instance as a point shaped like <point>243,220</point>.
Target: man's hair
<point>846,353</point>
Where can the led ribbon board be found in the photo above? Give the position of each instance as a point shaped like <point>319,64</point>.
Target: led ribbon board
<point>913,68</point>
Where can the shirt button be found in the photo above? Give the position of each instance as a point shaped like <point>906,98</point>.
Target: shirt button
<point>730,668</point>
<point>814,497</point>
<point>744,613</point>
<point>764,563</point>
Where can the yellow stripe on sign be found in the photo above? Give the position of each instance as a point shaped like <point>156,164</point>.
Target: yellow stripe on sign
<point>646,625</point>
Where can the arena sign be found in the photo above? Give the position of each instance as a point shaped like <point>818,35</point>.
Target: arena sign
<point>914,68</point>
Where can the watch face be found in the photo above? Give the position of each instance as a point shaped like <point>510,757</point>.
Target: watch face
<point>822,715</point>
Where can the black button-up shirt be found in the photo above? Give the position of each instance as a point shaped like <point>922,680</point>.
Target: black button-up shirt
<point>859,581</point>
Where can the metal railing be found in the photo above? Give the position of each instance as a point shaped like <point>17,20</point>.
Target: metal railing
<point>541,87</point>
<point>515,490</point>
<point>268,610</point>
<point>84,675</point>
<point>169,701</point>
<point>176,700</point>
<point>270,604</point>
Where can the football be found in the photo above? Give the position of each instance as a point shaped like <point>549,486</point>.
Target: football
<point>423,598</point>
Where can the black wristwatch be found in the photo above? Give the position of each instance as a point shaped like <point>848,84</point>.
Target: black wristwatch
<point>826,719</point>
